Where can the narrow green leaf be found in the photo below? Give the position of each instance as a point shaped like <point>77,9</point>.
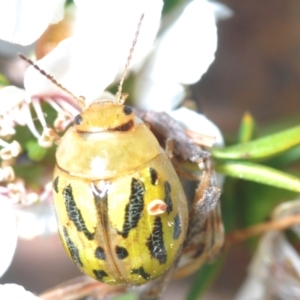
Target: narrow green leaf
<point>261,174</point>
<point>230,201</point>
<point>287,158</point>
<point>246,129</point>
<point>261,148</point>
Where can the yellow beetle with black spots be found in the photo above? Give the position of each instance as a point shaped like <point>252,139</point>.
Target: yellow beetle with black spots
<point>121,208</point>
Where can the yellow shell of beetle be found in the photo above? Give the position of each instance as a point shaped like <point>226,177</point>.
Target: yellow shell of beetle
<point>121,209</point>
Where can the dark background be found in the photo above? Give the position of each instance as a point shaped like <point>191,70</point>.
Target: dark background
<point>257,66</point>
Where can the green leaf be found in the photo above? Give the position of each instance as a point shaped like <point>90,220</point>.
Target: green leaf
<point>229,201</point>
<point>246,129</point>
<point>261,174</point>
<point>261,148</point>
<point>287,158</point>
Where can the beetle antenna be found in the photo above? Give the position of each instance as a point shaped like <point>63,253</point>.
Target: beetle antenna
<point>119,96</point>
<point>80,100</point>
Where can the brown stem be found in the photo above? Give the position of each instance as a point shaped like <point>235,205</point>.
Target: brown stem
<point>244,234</point>
<point>80,287</point>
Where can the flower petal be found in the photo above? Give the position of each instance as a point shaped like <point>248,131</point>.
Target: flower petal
<point>10,97</point>
<point>103,36</point>
<point>23,22</point>
<point>182,55</point>
<point>56,63</point>
<point>158,95</point>
<point>187,49</point>
<point>38,219</point>
<point>14,291</point>
<point>8,233</point>
<point>198,123</point>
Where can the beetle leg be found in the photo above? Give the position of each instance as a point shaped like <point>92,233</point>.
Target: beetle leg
<point>205,236</point>
<point>205,248</point>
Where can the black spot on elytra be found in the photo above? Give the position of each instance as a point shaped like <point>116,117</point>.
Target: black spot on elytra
<point>127,110</point>
<point>74,213</point>
<point>99,253</point>
<point>55,184</point>
<point>168,198</point>
<point>99,274</point>
<point>140,271</point>
<point>155,242</point>
<point>121,252</point>
<point>177,227</point>
<point>153,176</point>
<point>74,252</point>
<point>133,210</point>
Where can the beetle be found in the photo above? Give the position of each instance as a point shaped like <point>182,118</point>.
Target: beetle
<point>123,216</point>
<point>117,196</point>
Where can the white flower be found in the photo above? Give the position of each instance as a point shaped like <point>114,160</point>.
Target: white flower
<point>14,291</point>
<point>182,55</point>
<point>198,123</point>
<point>16,111</point>
<point>23,213</point>
<point>89,61</point>
<point>8,234</point>
<point>22,21</point>
<point>34,212</point>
